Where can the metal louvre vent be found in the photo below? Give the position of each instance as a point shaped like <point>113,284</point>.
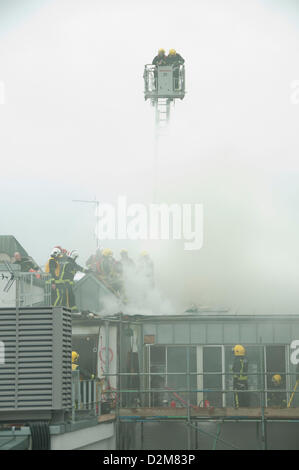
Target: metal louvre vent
<point>36,374</point>
<point>66,362</point>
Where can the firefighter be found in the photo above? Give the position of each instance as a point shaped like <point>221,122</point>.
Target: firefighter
<point>94,261</point>
<point>161,58</point>
<point>175,60</point>
<point>107,263</point>
<point>240,378</point>
<point>146,268</point>
<point>67,273</point>
<point>275,397</point>
<point>111,271</point>
<point>126,262</point>
<point>75,358</point>
<point>53,268</point>
<point>84,373</point>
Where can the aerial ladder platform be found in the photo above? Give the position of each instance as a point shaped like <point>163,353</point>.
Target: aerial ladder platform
<point>163,84</point>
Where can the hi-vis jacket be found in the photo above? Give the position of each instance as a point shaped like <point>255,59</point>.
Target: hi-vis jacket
<point>240,368</point>
<point>53,267</point>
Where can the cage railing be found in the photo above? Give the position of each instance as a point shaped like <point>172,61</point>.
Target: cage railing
<point>150,77</point>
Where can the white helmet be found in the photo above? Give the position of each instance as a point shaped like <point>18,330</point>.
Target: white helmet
<point>73,254</point>
<point>56,251</point>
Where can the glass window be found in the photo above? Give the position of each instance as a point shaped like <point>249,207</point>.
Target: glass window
<point>212,379</point>
<point>177,361</point>
<point>276,364</point>
<point>158,368</point>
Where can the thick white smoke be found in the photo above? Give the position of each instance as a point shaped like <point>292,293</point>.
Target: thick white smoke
<point>75,125</point>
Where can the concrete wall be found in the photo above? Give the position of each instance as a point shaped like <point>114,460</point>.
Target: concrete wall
<point>101,436</point>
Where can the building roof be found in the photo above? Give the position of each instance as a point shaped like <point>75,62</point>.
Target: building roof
<point>9,245</point>
<point>94,279</point>
<point>94,296</point>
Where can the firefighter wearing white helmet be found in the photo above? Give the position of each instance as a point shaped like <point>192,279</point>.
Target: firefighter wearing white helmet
<point>55,252</point>
<point>240,378</point>
<point>68,270</point>
<point>53,268</point>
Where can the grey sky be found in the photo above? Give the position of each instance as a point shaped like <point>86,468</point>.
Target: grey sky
<point>75,125</point>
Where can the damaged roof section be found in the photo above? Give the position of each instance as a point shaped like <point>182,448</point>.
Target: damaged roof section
<point>92,295</point>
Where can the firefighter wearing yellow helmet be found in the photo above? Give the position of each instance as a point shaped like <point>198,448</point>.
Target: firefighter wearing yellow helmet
<point>108,264</point>
<point>145,268</point>
<point>75,358</point>
<point>107,252</point>
<point>277,396</point>
<point>84,373</point>
<point>112,272</point>
<point>175,60</point>
<point>240,378</point>
<point>239,350</point>
<point>276,379</point>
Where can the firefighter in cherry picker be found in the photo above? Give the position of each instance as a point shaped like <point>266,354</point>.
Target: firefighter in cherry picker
<point>69,268</point>
<point>175,60</point>
<point>240,378</point>
<point>160,59</point>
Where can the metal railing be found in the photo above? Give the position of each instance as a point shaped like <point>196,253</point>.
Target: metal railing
<point>183,398</point>
<point>24,289</point>
<point>86,397</point>
<point>182,395</point>
<point>33,289</point>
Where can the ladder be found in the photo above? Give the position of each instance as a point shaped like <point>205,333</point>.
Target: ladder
<point>162,115</point>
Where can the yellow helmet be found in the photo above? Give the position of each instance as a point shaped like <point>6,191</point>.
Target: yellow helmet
<point>276,379</point>
<point>144,253</point>
<point>107,252</point>
<point>161,51</point>
<point>172,52</point>
<point>75,356</point>
<point>239,350</point>
<point>123,251</point>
